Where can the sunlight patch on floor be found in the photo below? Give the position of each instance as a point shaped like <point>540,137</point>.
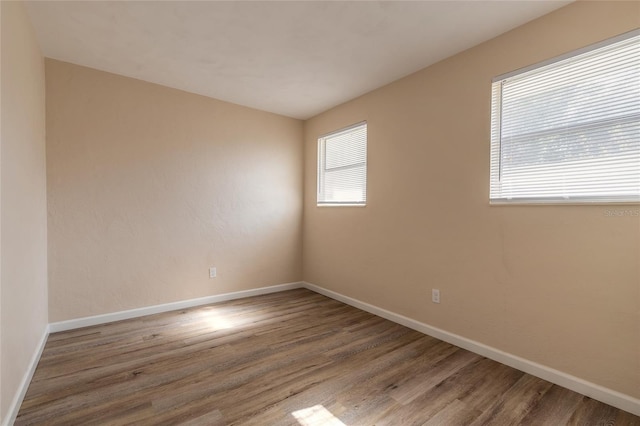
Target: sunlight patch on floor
<point>218,319</point>
<point>223,318</point>
<point>316,416</point>
<point>219,322</point>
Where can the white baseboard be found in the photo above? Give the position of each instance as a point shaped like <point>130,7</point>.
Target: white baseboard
<point>597,392</point>
<point>592,390</point>
<point>12,412</point>
<point>166,307</point>
<point>14,408</point>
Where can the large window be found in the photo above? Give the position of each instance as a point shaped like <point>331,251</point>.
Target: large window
<point>568,130</point>
<point>342,167</point>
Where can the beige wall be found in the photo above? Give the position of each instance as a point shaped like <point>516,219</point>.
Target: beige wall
<point>558,285</point>
<point>149,186</point>
<point>23,241</point>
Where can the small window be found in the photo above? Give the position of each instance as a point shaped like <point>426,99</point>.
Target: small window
<point>342,167</point>
<point>568,130</point>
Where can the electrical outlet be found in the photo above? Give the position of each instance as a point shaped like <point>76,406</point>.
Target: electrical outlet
<point>212,272</point>
<point>435,295</point>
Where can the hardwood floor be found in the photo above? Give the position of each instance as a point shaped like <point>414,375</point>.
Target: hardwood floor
<point>290,358</point>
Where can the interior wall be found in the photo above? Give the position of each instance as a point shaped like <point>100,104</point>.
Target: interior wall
<point>23,241</point>
<point>150,186</point>
<point>555,284</point>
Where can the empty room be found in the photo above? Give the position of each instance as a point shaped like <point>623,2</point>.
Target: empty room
<point>316,213</point>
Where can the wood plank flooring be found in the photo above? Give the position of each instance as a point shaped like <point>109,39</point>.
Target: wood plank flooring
<point>290,358</point>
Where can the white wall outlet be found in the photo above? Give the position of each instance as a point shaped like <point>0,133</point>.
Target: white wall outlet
<point>435,295</point>
<point>212,272</point>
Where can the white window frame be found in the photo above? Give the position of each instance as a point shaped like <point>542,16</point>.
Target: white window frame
<point>322,197</point>
<point>499,194</point>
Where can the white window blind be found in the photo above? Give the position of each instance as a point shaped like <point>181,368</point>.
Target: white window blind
<point>569,130</point>
<point>342,166</point>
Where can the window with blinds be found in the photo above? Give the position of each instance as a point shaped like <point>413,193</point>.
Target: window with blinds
<point>568,130</point>
<point>342,167</point>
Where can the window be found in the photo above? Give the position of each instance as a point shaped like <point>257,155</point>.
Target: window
<point>568,130</point>
<point>342,167</point>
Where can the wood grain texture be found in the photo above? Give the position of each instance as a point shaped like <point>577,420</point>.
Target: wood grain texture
<point>289,358</point>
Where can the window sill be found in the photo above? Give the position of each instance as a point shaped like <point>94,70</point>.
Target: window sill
<point>561,203</point>
<point>341,205</point>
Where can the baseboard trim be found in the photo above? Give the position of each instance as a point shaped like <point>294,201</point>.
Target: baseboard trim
<point>14,408</point>
<point>592,390</point>
<point>166,307</point>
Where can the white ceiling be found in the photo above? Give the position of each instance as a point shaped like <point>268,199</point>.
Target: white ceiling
<point>292,58</point>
